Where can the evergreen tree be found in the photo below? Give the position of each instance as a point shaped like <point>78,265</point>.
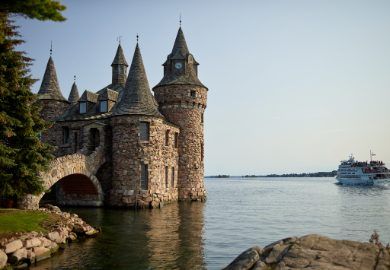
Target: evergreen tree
<point>22,154</point>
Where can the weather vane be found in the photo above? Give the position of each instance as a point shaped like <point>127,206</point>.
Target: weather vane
<point>137,37</point>
<point>51,47</point>
<point>180,20</point>
<point>119,39</point>
<point>74,78</point>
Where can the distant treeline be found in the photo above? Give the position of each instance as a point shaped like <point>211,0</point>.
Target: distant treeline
<point>316,174</point>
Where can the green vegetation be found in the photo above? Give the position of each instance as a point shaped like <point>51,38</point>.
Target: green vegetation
<point>22,154</point>
<point>12,220</point>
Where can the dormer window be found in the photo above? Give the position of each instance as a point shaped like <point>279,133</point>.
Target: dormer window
<point>103,106</point>
<point>83,107</point>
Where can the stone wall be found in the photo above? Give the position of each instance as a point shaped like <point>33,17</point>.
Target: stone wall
<point>51,110</point>
<point>129,152</point>
<point>184,106</point>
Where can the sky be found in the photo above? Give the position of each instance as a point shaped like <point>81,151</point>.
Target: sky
<point>294,85</point>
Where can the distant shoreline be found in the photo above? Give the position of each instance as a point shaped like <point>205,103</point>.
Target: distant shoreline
<point>316,174</point>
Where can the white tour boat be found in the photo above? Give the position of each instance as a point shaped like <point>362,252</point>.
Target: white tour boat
<point>352,172</point>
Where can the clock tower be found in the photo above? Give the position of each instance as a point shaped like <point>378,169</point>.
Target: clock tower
<point>182,99</point>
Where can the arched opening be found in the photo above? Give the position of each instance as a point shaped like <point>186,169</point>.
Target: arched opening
<point>74,190</point>
<point>93,139</point>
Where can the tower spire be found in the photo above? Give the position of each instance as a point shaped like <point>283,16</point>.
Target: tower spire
<point>119,66</point>
<point>50,88</point>
<point>74,92</point>
<point>137,97</point>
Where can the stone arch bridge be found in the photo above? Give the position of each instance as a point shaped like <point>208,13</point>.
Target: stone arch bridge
<point>68,168</point>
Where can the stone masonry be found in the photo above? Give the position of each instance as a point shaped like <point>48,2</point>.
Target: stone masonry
<point>121,146</point>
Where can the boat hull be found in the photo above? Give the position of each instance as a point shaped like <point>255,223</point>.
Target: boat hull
<point>362,181</point>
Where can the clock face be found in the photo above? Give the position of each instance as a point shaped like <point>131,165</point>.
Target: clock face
<point>178,65</point>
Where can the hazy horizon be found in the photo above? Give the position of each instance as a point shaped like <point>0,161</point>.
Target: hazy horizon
<point>294,86</point>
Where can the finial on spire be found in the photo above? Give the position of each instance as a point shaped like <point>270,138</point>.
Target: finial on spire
<point>137,38</point>
<point>119,39</point>
<point>180,20</point>
<point>74,78</point>
<point>51,47</point>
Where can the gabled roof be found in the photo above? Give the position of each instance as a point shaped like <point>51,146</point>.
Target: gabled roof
<point>50,88</point>
<point>119,58</point>
<point>137,98</point>
<point>74,94</point>
<point>89,96</point>
<point>108,94</point>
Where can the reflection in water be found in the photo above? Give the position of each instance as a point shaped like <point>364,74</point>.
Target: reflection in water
<point>167,238</point>
<point>239,213</point>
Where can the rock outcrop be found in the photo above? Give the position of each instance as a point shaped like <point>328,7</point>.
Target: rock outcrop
<point>24,249</point>
<point>314,252</point>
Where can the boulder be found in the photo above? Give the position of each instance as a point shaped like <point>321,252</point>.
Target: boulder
<point>13,246</point>
<point>53,247</point>
<point>56,237</point>
<point>34,242</point>
<point>314,252</point>
<point>3,259</point>
<point>45,242</point>
<point>18,256</point>
<point>245,260</point>
<point>41,253</point>
<point>31,256</point>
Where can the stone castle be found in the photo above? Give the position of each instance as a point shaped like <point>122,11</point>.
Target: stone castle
<point>123,146</point>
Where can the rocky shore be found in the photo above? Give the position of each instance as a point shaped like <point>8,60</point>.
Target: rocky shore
<point>23,249</point>
<point>314,252</point>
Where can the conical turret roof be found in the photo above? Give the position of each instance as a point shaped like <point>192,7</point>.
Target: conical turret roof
<point>180,47</point>
<point>119,58</point>
<point>137,98</point>
<point>50,88</point>
<point>74,94</point>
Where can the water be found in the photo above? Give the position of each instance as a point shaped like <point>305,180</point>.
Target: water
<point>239,213</point>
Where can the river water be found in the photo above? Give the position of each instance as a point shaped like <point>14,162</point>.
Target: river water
<point>238,213</point>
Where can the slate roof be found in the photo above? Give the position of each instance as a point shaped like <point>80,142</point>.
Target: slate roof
<point>180,52</point>
<point>137,98</point>
<point>119,58</point>
<point>50,88</point>
<point>89,96</point>
<point>74,94</point>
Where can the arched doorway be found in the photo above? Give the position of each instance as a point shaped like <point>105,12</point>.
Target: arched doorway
<point>75,190</point>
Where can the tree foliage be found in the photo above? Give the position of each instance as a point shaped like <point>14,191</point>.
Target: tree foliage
<point>22,154</point>
<point>34,9</point>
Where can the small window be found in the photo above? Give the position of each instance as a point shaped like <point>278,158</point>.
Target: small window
<point>144,131</point>
<point>176,140</point>
<point>65,135</point>
<point>83,107</point>
<point>167,137</point>
<point>201,119</point>
<point>193,93</point>
<point>173,178</point>
<point>144,176</point>
<point>202,152</point>
<point>103,106</point>
<point>166,176</point>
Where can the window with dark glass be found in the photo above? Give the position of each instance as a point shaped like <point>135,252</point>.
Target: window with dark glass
<point>201,120</point>
<point>173,177</point>
<point>65,135</point>
<point>176,139</point>
<point>144,176</point>
<point>144,131</point>
<point>193,93</point>
<point>166,176</point>
<point>167,137</point>
<point>103,106</point>
<point>83,107</point>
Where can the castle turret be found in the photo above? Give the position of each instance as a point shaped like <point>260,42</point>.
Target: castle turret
<point>119,68</point>
<point>74,94</point>
<point>182,100</point>
<point>143,151</point>
<point>53,102</point>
